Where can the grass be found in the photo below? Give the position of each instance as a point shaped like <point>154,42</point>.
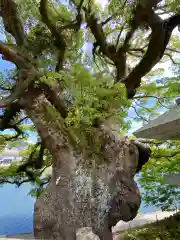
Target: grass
<point>166,229</point>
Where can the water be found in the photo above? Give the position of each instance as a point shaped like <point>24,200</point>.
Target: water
<point>12,225</point>
<point>16,210</point>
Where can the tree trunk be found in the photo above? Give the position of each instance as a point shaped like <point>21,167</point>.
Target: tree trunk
<point>81,195</point>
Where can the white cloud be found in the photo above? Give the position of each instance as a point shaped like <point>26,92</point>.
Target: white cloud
<point>103,3</point>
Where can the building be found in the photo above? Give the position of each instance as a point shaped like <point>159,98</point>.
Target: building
<point>164,127</point>
<point>9,156</point>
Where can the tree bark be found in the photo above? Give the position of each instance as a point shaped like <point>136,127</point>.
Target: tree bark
<point>81,195</point>
<point>49,129</point>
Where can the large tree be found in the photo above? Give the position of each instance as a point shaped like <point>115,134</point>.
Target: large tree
<point>75,100</point>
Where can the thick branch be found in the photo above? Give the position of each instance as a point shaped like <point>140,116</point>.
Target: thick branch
<point>152,56</point>
<point>118,57</point>
<point>75,25</point>
<point>13,56</point>
<point>45,18</point>
<point>56,33</point>
<point>53,96</point>
<point>26,78</point>
<point>12,23</point>
<point>108,50</point>
<point>161,33</point>
<point>8,115</point>
<point>97,31</point>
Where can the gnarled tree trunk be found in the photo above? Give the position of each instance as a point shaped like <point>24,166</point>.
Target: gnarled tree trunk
<point>83,192</point>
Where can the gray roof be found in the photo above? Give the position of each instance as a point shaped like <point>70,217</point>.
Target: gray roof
<point>164,127</point>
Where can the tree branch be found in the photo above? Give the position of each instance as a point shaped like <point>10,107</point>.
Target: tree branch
<point>7,117</point>
<point>140,117</point>
<point>136,50</point>
<point>56,33</point>
<point>52,96</point>
<point>119,35</point>
<point>107,20</point>
<point>12,138</point>
<point>111,17</point>
<point>139,105</point>
<point>119,57</point>
<point>165,156</point>
<point>26,78</point>
<point>134,54</point>
<point>76,25</point>
<point>149,96</point>
<point>14,126</point>
<point>97,31</point>
<point>173,50</point>
<point>12,23</point>
<point>5,88</point>
<point>13,56</point>
<point>152,142</point>
<point>16,182</point>
<point>33,162</point>
<point>158,99</point>
<point>21,120</point>
<point>160,35</point>
<point>171,58</point>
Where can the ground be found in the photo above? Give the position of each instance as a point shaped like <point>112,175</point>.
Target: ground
<point>166,229</point>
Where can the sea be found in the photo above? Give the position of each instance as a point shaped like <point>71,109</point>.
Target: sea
<point>16,209</point>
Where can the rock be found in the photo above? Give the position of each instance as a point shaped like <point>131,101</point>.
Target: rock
<point>86,234</point>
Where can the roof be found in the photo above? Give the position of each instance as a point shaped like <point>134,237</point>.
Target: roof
<point>10,153</point>
<point>164,127</point>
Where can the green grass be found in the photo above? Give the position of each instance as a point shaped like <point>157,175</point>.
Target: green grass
<point>166,229</point>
